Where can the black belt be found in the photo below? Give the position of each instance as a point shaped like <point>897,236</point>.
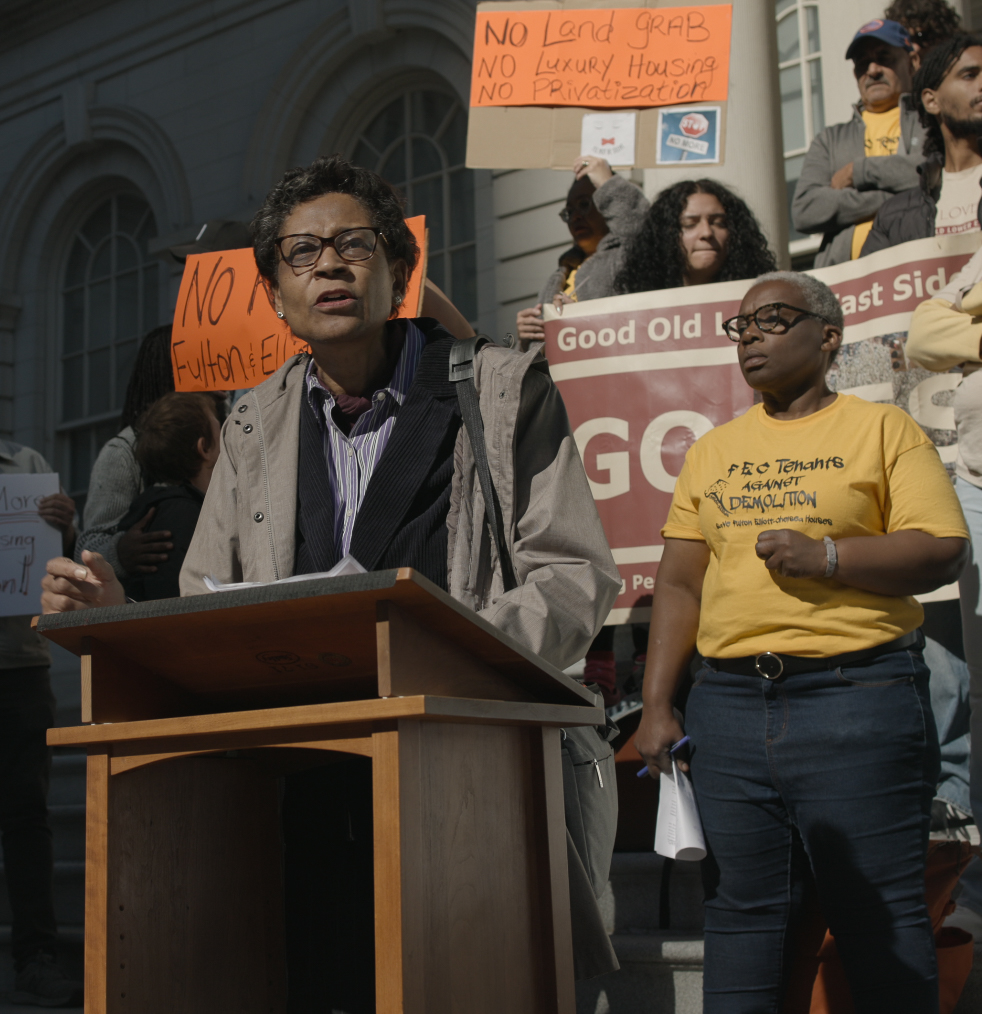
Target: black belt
<point>772,666</point>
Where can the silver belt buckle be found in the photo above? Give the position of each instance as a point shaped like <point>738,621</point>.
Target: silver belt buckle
<point>769,665</point>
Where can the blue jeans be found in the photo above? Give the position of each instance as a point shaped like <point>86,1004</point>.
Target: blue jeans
<point>828,775</point>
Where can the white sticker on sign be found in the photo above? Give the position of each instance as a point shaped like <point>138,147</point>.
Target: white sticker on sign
<point>26,541</point>
<point>609,136</point>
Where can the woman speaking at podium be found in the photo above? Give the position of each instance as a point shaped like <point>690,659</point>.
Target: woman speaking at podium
<point>359,448</point>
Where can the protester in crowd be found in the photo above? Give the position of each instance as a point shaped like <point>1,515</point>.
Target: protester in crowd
<point>947,93</point>
<point>359,448</point>
<point>697,231</point>
<point>602,212</point>
<point>944,333</point>
<point>812,747</point>
<point>928,22</point>
<point>852,168</point>
<point>116,481</point>
<point>27,711</point>
<point>177,444</point>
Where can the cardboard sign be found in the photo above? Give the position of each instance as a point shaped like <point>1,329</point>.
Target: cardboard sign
<point>609,136</point>
<point>605,58</point>
<point>645,375</point>
<point>226,333</point>
<point>26,541</point>
<point>689,134</point>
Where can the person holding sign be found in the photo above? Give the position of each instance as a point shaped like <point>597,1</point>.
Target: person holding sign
<point>602,211</point>
<point>27,711</point>
<point>358,448</point>
<point>798,536</point>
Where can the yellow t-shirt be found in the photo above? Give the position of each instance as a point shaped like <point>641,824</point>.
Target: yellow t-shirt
<point>852,468</point>
<point>882,138</point>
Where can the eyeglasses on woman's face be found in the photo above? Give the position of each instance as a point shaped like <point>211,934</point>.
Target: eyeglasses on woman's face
<point>579,206</point>
<point>771,318</point>
<point>303,250</point>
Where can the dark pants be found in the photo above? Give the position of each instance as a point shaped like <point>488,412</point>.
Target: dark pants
<point>330,898</point>
<point>827,775</point>
<point>27,709</point>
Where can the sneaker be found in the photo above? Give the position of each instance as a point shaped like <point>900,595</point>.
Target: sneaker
<point>42,983</point>
<point>951,822</point>
<point>600,668</point>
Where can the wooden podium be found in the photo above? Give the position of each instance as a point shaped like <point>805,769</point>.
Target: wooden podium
<point>198,705</point>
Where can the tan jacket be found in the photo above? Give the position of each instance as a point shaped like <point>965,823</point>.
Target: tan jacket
<point>566,574</point>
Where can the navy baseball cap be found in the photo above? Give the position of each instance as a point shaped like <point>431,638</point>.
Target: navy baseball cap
<point>891,32</point>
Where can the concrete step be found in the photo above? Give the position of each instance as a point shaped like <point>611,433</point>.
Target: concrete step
<point>633,902</point>
<point>67,778</point>
<point>661,973</point>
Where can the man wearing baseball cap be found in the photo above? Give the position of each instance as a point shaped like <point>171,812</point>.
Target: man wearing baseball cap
<point>852,168</point>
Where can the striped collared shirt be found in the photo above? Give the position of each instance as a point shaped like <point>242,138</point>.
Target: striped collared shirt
<point>351,458</point>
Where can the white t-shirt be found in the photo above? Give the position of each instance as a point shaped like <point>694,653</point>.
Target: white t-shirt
<point>958,205</point>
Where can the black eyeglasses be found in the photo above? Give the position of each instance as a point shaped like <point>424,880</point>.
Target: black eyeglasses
<point>768,319</point>
<point>302,250</point>
<point>580,206</point>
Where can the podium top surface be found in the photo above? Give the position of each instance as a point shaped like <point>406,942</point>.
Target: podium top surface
<point>310,637</point>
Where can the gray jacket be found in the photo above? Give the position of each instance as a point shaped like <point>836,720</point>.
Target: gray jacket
<point>114,484</point>
<point>623,205</point>
<point>818,207</point>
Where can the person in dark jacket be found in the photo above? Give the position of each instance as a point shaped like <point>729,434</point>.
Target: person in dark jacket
<point>177,445</point>
<point>852,168</point>
<point>948,96</point>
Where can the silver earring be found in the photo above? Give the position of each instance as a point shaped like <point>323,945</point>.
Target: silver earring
<point>398,300</point>
<point>282,316</point>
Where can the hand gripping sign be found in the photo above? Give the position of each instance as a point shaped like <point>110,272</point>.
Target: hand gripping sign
<point>645,375</point>
<point>226,333</point>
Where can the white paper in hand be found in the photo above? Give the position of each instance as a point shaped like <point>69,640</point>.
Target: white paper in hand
<point>26,541</point>
<point>678,831</point>
<point>348,565</point>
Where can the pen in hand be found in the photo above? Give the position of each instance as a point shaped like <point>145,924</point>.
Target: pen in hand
<point>678,746</point>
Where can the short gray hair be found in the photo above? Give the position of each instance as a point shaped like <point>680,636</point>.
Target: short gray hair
<point>816,296</point>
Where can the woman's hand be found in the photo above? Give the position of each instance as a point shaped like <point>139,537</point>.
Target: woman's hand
<point>529,323</point>
<point>597,169</point>
<point>69,585</point>
<point>559,301</point>
<point>792,554</point>
<point>658,732</point>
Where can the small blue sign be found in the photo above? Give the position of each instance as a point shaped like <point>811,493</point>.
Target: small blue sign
<point>689,134</point>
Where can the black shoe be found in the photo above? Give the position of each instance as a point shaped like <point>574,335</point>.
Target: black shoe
<point>42,983</point>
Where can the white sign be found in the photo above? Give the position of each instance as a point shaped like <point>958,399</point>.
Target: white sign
<point>609,136</point>
<point>26,541</point>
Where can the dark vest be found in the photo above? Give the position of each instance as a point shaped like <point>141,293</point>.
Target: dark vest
<point>403,518</point>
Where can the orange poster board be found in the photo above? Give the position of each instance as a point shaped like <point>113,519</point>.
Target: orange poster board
<point>615,58</point>
<point>226,333</point>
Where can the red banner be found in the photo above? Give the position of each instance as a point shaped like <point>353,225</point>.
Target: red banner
<point>645,375</point>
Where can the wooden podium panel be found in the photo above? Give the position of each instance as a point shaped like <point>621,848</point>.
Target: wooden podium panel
<point>184,879</point>
<point>304,642</point>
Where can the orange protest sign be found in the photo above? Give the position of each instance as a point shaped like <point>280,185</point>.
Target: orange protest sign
<point>226,334</point>
<point>614,58</point>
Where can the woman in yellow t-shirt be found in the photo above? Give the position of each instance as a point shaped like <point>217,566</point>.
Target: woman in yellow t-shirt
<point>798,535</point>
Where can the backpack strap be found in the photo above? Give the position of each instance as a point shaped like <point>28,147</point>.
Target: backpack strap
<point>462,355</point>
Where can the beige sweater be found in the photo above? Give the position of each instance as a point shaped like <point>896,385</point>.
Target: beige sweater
<point>946,332</point>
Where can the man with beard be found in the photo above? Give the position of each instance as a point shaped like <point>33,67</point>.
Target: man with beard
<point>947,93</point>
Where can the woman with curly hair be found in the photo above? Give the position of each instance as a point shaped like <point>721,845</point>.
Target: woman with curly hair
<point>928,22</point>
<point>697,231</point>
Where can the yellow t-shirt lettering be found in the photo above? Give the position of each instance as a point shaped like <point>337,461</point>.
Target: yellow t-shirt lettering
<point>854,468</point>
<point>882,138</point>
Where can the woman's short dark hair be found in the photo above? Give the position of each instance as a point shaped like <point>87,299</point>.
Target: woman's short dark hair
<point>332,175</point>
<point>927,21</point>
<point>655,258</point>
<point>931,73</point>
<point>151,377</point>
<point>167,436</point>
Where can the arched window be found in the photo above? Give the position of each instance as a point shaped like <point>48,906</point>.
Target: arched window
<point>110,299</point>
<point>417,143</point>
